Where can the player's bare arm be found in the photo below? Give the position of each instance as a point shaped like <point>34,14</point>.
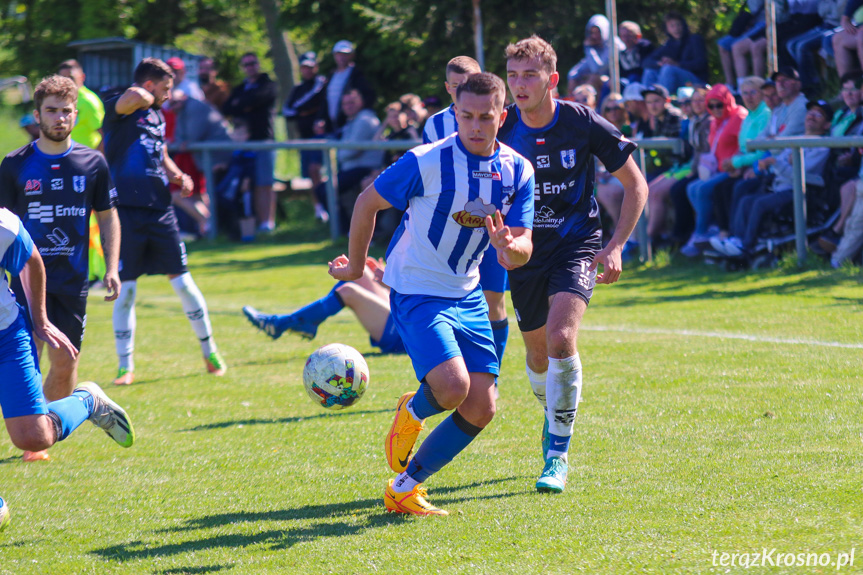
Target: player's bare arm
<point>33,281</point>
<point>350,268</point>
<point>514,246</point>
<point>176,176</point>
<point>133,99</point>
<point>634,198</point>
<point>109,226</point>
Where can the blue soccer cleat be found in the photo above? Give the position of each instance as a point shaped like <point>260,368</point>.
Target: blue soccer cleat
<point>553,478</point>
<point>263,322</point>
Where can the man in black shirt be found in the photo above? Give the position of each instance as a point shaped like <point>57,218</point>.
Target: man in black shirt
<point>253,102</point>
<point>136,151</point>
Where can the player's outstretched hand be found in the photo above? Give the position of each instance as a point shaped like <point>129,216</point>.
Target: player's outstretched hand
<point>112,284</point>
<point>611,259</point>
<point>501,238</point>
<point>48,333</point>
<point>342,270</point>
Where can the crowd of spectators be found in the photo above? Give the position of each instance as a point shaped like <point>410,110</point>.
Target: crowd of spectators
<point>715,197</point>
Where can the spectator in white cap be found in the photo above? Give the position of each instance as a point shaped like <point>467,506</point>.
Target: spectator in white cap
<point>347,76</point>
<point>633,101</point>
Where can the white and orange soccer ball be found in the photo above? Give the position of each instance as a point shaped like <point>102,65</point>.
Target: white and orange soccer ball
<point>336,376</point>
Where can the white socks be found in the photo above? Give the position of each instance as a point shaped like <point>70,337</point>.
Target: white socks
<point>404,483</point>
<point>196,310</point>
<point>563,391</point>
<point>537,383</point>
<point>124,324</point>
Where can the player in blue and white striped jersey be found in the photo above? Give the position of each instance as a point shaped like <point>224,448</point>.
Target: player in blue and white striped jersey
<point>459,194</point>
<point>34,424</point>
<point>444,123</point>
<point>493,277</point>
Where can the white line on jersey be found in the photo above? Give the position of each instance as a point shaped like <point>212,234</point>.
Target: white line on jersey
<point>721,335</point>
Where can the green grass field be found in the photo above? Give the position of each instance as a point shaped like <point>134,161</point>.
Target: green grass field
<point>721,413</point>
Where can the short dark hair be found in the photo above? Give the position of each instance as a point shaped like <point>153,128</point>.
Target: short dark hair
<point>674,15</point>
<point>855,77</point>
<point>55,85</point>
<point>70,64</point>
<point>247,54</point>
<point>152,69</point>
<point>482,84</point>
<point>463,65</point>
<point>533,47</point>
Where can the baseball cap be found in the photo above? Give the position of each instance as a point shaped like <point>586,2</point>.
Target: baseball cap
<point>343,47</point>
<point>27,120</point>
<point>176,63</point>
<point>632,93</point>
<point>825,107</point>
<point>657,89</point>
<point>787,71</point>
<point>309,59</point>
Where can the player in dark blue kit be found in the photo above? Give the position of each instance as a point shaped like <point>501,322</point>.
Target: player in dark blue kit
<point>52,184</point>
<point>550,294</point>
<point>136,152</point>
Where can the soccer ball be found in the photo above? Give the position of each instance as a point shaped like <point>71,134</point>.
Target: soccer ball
<point>336,376</point>
<point>5,518</point>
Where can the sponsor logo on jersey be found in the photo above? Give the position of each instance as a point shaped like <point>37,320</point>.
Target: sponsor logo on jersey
<point>79,183</point>
<point>45,214</point>
<point>474,213</point>
<point>567,158</point>
<point>56,184</point>
<point>58,237</point>
<point>112,193</point>
<point>486,175</point>
<point>543,161</point>
<point>60,247</point>
<point>33,188</point>
<point>623,143</point>
<point>544,218</point>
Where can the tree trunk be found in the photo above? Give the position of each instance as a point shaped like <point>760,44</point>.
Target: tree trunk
<point>279,48</point>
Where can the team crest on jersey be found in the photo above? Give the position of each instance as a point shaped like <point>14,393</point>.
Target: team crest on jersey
<point>486,175</point>
<point>474,213</point>
<point>33,188</point>
<point>79,183</point>
<point>567,158</point>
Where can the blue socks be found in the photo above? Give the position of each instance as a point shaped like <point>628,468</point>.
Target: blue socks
<point>317,311</point>
<point>445,442</point>
<point>500,332</point>
<point>423,404</point>
<point>72,411</point>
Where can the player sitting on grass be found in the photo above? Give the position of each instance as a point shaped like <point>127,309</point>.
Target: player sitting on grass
<point>367,297</point>
<point>32,423</point>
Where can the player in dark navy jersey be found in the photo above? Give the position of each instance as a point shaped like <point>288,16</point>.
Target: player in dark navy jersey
<point>135,148</point>
<point>53,184</point>
<point>550,294</point>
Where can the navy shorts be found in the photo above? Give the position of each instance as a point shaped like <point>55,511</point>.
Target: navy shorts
<point>68,313</point>
<point>492,276</point>
<point>265,165</point>
<point>150,243</point>
<point>20,380</point>
<point>435,329</point>
<point>566,271</point>
<point>309,158</point>
<point>391,341</point>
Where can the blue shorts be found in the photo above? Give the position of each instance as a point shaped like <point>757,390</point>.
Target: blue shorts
<point>391,341</point>
<point>436,329</point>
<point>492,276</point>
<point>265,165</point>
<point>20,380</point>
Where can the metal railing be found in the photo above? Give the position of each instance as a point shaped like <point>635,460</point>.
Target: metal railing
<point>645,144</point>
<point>797,144</point>
<point>329,148</point>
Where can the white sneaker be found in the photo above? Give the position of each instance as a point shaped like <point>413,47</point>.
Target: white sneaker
<point>321,213</point>
<point>109,416</point>
<point>732,247</point>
